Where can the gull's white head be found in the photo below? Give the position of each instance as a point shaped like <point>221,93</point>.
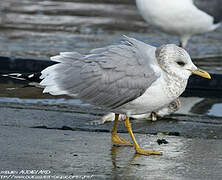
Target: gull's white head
<point>176,62</point>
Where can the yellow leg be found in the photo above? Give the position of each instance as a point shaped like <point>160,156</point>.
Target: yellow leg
<point>135,144</point>
<point>117,140</point>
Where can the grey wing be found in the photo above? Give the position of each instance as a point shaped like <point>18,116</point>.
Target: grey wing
<point>211,7</point>
<point>108,77</point>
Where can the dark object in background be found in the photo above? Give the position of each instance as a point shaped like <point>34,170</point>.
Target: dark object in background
<point>162,141</point>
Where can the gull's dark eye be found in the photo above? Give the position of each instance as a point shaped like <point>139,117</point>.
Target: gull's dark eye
<point>180,63</point>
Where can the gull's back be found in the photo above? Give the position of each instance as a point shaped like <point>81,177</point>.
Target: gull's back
<point>108,77</point>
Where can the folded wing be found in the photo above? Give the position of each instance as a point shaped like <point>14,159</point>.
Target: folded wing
<point>107,77</point>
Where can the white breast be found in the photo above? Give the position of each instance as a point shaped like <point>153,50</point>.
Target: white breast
<point>158,95</point>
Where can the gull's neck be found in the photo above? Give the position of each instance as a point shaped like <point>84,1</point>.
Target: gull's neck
<point>174,85</point>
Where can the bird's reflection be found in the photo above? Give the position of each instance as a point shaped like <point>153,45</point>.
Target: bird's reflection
<point>119,169</point>
<point>114,152</point>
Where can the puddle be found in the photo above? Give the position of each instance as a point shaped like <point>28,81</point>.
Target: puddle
<point>201,106</point>
<point>216,110</point>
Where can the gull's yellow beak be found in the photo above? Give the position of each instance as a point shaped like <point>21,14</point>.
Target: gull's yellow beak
<point>200,72</point>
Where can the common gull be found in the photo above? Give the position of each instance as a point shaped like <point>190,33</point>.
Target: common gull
<point>128,78</point>
<point>183,18</point>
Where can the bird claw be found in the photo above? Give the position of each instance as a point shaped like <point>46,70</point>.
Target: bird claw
<point>118,141</point>
<point>147,152</point>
